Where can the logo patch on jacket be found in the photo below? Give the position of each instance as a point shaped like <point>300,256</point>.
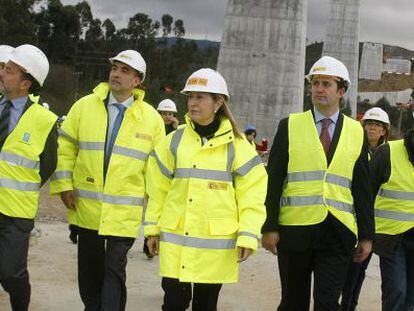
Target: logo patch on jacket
<point>143,136</point>
<point>26,137</point>
<point>217,185</point>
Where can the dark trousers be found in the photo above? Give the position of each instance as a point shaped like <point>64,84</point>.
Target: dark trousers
<point>102,263</point>
<point>397,277</point>
<point>14,246</point>
<point>327,258</point>
<point>178,295</point>
<point>353,284</point>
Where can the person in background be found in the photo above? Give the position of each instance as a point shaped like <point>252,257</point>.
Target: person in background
<point>168,112</point>
<point>392,170</point>
<point>376,125</point>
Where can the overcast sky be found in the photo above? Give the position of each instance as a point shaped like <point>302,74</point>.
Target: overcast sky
<point>383,21</point>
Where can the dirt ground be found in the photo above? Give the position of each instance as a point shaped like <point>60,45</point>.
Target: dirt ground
<point>53,274</point>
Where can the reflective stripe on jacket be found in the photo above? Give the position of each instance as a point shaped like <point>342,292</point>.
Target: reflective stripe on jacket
<point>204,201</point>
<point>394,204</point>
<point>111,205</point>
<point>312,188</point>
<point>20,162</point>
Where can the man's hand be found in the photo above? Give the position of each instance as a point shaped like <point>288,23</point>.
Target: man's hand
<point>68,198</point>
<point>153,245</point>
<point>270,240</point>
<point>363,250</point>
<point>244,253</point>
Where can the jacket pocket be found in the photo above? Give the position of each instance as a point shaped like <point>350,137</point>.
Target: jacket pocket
<point>169,221</point>
<point>223,226</point>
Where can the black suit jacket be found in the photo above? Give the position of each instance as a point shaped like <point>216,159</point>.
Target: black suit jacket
<point>301,237</point>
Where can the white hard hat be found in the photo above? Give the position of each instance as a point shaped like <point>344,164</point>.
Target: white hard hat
<point>46,105</point>
<point>5,51</point>
<point>206,80</point>
<point>133,59</point>
<point>329,66</point>
<point>31,59</point>
<point>377,114</point>
<point>167,105</point>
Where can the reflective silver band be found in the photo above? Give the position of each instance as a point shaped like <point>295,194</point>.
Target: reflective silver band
<point>398,195</point>
<point>301,201</point>
<point>342,206</point>
<point>88,194</point>
<point>305,176</point>
<point>149,223</point>
<point>248,166</point>
<point>132,153</point>
<point>316,200</point>
<point>203,174</point>
<point>165,171</point>
<point>19,185</point>
<point>245,233</point>
<point>338,180</point>
<point>122,200</point>
<point>175,141</point>
<point>230,156</point>
<point>19,160</point>
<point>319,175</point>
<point>110,199</point>
<point>91,145</point>
<point>198,242</point>
<point>67,136</point>
<point>393,215</point>
<point>61,175</point>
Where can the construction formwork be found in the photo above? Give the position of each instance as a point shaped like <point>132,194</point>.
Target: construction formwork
<point>371,65</point>
<point>262,58</point>
<point>342,41</point>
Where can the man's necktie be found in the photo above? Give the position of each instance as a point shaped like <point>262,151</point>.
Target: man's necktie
<point>114,134</point>
<point>324,136</point>
<point>4,122</point>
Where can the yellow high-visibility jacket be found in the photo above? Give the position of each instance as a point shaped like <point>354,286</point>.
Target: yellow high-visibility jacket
<point>204,202</point>
<point>312,187</point>
<point>20,162</point>
<point>111,205</point>
<point>394,204</point>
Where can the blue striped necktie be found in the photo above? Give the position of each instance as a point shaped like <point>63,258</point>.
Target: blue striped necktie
<point>114,134</point>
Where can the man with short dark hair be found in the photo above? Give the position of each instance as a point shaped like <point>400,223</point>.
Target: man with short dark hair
<point>104,145</point>
<point>28,157</point>
<point>319,202</point>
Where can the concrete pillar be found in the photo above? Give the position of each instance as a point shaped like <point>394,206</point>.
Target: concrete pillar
<point>342,42</point>
<point>262,58</point>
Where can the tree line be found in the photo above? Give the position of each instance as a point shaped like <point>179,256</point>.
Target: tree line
<point>78,46</point>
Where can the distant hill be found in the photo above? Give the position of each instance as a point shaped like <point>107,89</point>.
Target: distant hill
<point>201,44</point>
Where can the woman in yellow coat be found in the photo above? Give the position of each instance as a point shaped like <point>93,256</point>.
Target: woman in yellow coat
<point>206,188</point>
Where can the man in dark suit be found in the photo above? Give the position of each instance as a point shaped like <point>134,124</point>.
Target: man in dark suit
<point>319,202</point>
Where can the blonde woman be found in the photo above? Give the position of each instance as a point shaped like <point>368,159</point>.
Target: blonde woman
<point>206,188</point>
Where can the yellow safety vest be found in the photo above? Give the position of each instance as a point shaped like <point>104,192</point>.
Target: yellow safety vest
<point>20,162</point>
<point>312,187</point>
<point>204,201</point>
<point>112,205</point>
<point>394,204</point>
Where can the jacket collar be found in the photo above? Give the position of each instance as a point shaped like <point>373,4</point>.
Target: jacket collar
<point>223,135</point>
<point>102,91</point>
